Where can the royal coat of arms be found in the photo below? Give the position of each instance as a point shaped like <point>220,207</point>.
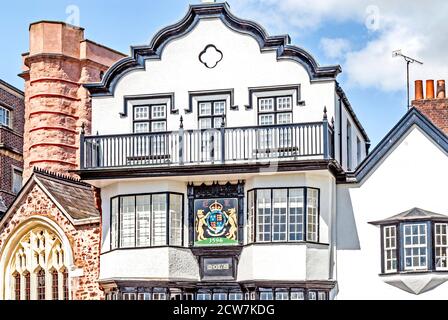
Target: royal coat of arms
<point>216,222</point>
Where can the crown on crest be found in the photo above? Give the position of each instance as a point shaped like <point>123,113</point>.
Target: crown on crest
<point>215,206</point>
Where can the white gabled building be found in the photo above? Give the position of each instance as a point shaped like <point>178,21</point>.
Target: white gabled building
<point>392,218</point>
<point>217,152</point>
<point>225,164</point>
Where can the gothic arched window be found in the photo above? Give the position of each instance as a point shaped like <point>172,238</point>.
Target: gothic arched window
<point>42,251</point>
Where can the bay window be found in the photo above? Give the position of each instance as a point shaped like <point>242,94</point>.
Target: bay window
<point>147,220</point>
<point>414,241</point>
<point>278,215</point>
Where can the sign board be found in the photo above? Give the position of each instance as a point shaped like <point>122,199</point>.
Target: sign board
<point>216,222</point>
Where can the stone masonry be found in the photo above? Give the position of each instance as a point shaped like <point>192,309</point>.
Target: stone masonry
<point>59,62</point>
<point>84,240</point>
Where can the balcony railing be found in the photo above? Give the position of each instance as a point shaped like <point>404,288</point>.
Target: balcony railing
<point>211,146</point>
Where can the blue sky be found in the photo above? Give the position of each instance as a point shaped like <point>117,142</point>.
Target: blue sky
<point>376,93</point>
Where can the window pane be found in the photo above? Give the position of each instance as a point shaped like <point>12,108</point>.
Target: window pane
<point>205,108</point>
<point>141,113</point>
<point>158,126</point>
<point>296,214</point>
<point>16,181</point>
<point>266,294</point>
<point>266,119</point>
<point>114,224</point>
<point>219,108</point>
<point>266,104</point>
<point>235,296</point>
<point>284,103</point>
<point>203,296</point>
<point>217,122</point>
<point>312,211</point>
<point>141,127</point>
<point>176,220</point>
<point>205,123</point>
<point>279,215</point>
<point>264,215</point>
<point>251,216</point>
<point>415,246</point>
<point>158,112</point>
<point>441,246</point>
<point>159,219</point>
<point>220,296</point>
<point>127,223</point>
<point>143,220</point>
<point>284,118</point>
<point>297,295</point>
<point>281,295</point>
<point>312,295</point>
<point>390,249</point>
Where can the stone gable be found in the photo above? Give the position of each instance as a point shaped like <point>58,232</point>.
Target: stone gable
<point>84,241</point>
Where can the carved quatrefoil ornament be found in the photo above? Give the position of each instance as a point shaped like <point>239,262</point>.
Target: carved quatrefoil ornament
<point>210,56</point>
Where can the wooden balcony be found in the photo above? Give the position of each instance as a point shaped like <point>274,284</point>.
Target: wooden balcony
<point>211,147</point>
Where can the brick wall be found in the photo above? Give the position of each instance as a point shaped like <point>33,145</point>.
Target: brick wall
<point>11,141</point>
<point>436,110</point>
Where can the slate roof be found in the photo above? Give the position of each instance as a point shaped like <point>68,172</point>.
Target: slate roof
<point>412,215</point>
<point>411,118</point>
<point>77,198</point>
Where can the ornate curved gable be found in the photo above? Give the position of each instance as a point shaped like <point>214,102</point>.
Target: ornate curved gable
<point>217,10</point>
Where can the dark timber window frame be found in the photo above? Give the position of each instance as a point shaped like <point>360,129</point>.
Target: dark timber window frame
<point>150,120</point>
<point>212,116</point>
<point>400,256</point>
<point>253,224</point>
<point>275,112</point>
<point>167,223</point>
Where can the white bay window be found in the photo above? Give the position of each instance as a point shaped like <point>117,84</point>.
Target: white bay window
<point>143,220</point>
<point>277,215</point>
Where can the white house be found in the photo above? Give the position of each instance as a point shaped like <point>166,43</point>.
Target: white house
<point>225,164</point>
<point>217,150</point>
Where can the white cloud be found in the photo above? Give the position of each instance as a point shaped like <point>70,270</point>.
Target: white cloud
<point>335,48</point>
<point>419,28</point>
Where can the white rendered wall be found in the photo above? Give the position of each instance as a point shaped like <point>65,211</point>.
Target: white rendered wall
<point>258,262</point>
<point>180,71</point>
<point>413,175</point>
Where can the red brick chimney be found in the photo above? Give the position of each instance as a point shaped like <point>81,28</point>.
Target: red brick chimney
<point>60,60</point>
<point>433,105</point>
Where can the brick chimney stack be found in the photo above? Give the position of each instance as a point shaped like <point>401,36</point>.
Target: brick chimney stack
<point>434,104</point>
<point>59,61</point>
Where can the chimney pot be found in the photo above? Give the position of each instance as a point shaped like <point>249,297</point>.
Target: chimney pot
<point>429,89</point>
<point>418,89</point>
<point>441,89</point>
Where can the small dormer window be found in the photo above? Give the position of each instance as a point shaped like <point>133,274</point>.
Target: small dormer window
<point>414,241</point>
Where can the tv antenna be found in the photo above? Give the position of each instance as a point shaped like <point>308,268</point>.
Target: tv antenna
<point>409,60</point>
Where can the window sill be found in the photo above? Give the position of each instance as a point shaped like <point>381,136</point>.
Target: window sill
<point>287,243</point>
<point>412,272</point>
